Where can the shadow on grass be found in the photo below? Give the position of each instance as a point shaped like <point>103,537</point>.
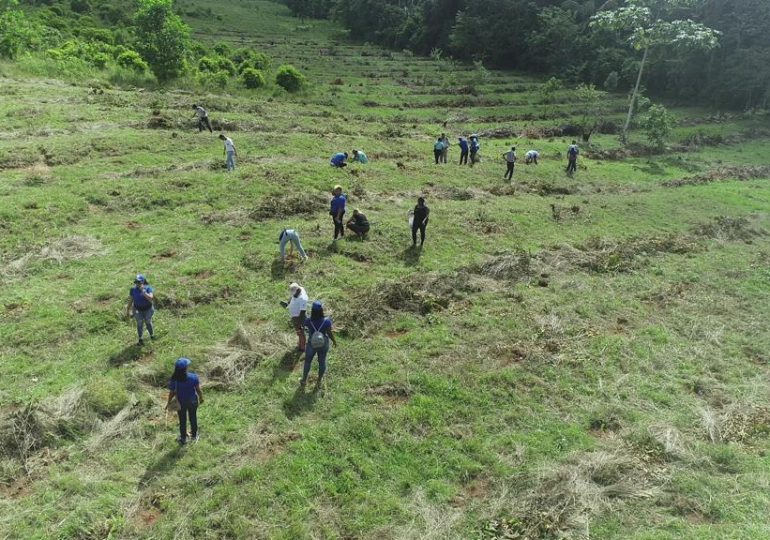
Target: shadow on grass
<point>162,466</point>
<point>279,268</point>
<point>132,353</point>
<point>286,365</point>
<point>652,168</point>
<point>301,402</point>
<point>411,255</point>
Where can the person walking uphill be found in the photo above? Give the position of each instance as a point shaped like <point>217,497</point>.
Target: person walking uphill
<point>319,329</point>
<point>297,306</point>
<point>186,388</point>
<point>140,305</point>
<point>438,149</point>
<point>510,162</point>
<point>203,118</point>
<point>230,152</point>
<point>572,155</point>
<point>337,211</point>
<point>463,151</point>
<point>420,221</point>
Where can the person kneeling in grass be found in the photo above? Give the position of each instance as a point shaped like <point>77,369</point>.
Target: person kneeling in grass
<point>358,224</point>
<point>360,157</point>
<point>319,329</point>
<point>140,305</point>
<point>186,388</point>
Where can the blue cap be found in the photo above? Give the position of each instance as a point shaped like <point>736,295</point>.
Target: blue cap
<point>140,277</point>
<point>182,363</point>
<point>317,305</point>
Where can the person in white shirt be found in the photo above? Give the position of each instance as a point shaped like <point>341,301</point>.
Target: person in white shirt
<point>229,151</point>
<point>531,157</point>
<point>297,306</point>
<point>203,118</point>
<point>290,235</point>
<point>510,161</point>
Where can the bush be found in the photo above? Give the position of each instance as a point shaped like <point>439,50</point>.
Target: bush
<point>289,78</point>
<point>131,60</point>
<point>216,78</point>
<point>252,78</point>
<point>16,33</point>
<point>99,60</point>
<point>214,64</point>
<point>245,58</point>
<point>657,125</point>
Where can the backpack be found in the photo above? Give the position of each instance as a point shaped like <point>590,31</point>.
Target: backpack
<point>438,146</point>
<point>317,338</point>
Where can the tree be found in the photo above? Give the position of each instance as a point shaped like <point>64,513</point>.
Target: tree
<point>548,92</point>
<point>161,38</point>
<point>658,124</point>
<point>642,19</point>
<point>591,106</point>
<point>16,33</point>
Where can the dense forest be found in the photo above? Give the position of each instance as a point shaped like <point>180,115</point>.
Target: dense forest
<point>558,37</point>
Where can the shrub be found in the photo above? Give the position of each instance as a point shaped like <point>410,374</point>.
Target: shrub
<point>16,32</point>
<point>289,78</point>
<point>99,60</point>
<point>252,78</point>
<point>657,125</point>
<point>245,58</point>
<point>216,78</point>
<point>214,64</point>
<point>80,6</point>
<point>131,60</point>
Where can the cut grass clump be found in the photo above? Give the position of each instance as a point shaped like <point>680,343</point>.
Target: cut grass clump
<point>723,174</point>
<point>71,248</point>
<point>283,206</point>
<point>512,266</point>
<point>727,228</point>
<point>230,363</point>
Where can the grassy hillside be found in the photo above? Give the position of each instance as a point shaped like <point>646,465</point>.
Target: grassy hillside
<point>564,358</point>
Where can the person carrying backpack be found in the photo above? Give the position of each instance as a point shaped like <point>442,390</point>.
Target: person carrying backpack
<point>297,306</point>
<point>510,162</point>
<point>186,388</point>
<point>463,151</point>
<point>319,329</point>
<point>475,147</point>
<point>572,155</point>
<point>140,305</point>
<point>203,118</point>
<point>438,148</point>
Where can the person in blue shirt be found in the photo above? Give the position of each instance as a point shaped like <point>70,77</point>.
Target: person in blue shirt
<point>475,147</point>
<point>463,151</point>
<point>317,323</point>
<point>337,211</point>
<point>186,388</point>
<point>360,157</point>
<point>572,155</point>
<point>338,160</point>
<point>140,305</point>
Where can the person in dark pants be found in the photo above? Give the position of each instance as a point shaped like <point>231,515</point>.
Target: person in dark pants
<point>438,149</point>
<point>358,224</point>
<point>420,221</point>
<point>572,156</point>
<point>317,344</point>
<point>203,118</point>
<point>510,162</point>
<point>475,147</point>
<point>186,388</point>
<point>140,305</point>
<point>297,306</point>
<point>337,211</point>
<point>463,151</point>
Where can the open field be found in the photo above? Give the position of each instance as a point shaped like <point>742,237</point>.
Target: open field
<point>570,357</point>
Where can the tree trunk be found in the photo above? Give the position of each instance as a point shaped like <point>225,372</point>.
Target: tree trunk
<point>624,134</point>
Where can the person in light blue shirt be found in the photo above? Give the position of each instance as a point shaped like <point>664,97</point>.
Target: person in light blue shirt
<point>360,157</point>
<point>140,305</point>
<point>291,236</point>
<point>339,160</point>
<point>186,388</point>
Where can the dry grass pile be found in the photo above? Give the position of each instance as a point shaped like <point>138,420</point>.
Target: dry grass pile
<point>725,228</point>
<point>230,363</point>
<point>737,423</point>
<point>71,248</point>
<point>283,206</point>
<point>723,174</point>
<point>510,266</point>
<point>567,497</point>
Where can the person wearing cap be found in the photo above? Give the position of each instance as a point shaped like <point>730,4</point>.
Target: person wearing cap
<point>140,305</point>
<point>290,235</point>
<point>337,211</point>
<point>339,160</point>
<point>360,157</point>
<point>463,151</point>
<point>229,151</point>
<point>297,306</point>
<point>419,221</point>
<point>317,322</point>
<point>358,224</point>
<point>203,118</point>
<point>510,162</point>
<point>186,387</point>
<point>531,157</point>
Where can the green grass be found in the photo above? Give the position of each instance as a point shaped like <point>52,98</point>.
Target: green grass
<point>460,402</point>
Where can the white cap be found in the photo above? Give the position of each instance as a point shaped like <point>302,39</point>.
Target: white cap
<point>293,288</point>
